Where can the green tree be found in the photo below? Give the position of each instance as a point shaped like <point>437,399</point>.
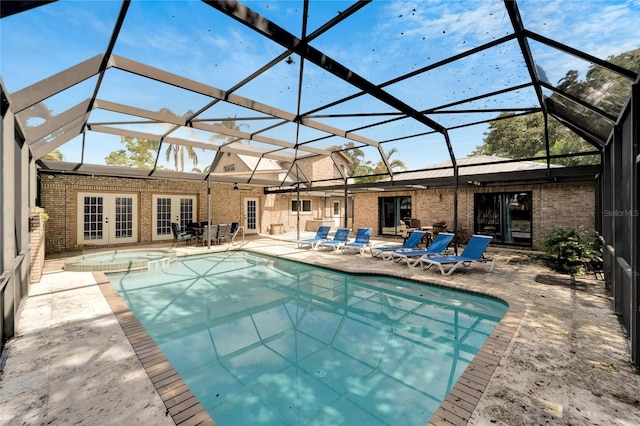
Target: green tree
<point>381,169</point>
<point>523,137</point>
<point>357,166</point>
<point>569,147</point>
<point>139,153</point>
<point>54,155</point>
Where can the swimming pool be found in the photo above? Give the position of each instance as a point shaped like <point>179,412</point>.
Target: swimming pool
<point>261,340</point>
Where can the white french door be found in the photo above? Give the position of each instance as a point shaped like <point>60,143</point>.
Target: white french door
<point>106,218</point>
<point>250,215</point>
<point>171,208</point>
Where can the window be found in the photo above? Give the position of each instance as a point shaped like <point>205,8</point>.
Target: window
<point>229,168</point>
<point>506,216</point>
<point>303,207</point>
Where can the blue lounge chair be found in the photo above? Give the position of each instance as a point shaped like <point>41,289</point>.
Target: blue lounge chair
<point>409,244</point>
<point>437,246</point>
<point>472,253</point>
<point>340,238</point>
<point>363,235</point>
<point>321,235</point>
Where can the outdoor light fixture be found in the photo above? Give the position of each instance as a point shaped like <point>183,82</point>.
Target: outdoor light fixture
<point>235,186</point>
<point>289,60</point>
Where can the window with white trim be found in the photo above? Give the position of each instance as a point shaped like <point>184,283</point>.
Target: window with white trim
<point>304,206</point>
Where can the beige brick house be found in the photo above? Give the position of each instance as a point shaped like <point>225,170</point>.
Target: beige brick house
<point>92,211</point>
<point>80,207</point>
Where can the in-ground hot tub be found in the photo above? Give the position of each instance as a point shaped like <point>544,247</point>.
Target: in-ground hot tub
<point>121,260</point>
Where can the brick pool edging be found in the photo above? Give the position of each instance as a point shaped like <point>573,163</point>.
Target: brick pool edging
<point>180,403</point>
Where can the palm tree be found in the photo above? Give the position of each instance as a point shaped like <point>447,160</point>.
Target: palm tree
<point>178,151</point>
<point>229,124</point>
<point>394,165</point>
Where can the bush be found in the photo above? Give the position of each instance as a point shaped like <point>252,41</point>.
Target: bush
<point>571,249</point>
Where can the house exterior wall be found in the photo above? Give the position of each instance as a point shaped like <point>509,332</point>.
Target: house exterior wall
<point>322,168</point>
<point>277,210</point>
<point>59,198</point>
<point>553,205</point>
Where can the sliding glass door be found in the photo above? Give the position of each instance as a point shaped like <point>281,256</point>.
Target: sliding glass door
<point>391,211</point>
<point>506,216</point>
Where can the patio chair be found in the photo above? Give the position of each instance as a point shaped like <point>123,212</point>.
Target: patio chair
<point>224,232</point>
<point>437,246</point>
<point>178,235</point>
<point>410,243</point>
<point>362,241</point>
<point>207,231</point>
<point>203,236</point>
<point>340,238</point>
<point>472,253</point>
<point>321,235</point>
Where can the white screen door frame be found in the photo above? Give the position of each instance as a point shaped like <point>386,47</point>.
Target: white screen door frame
<point>251,216</point>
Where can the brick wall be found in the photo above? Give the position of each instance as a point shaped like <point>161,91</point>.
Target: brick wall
<point>553,205</point>
<point>59,197</point>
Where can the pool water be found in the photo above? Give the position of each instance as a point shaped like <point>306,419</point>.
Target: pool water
<point>266,341</point>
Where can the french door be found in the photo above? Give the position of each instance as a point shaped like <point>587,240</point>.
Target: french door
<point>106,218</point>
<point>171,208</point>
<point>250,215</point>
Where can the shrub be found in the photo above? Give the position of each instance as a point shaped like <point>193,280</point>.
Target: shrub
<point>571,249</point>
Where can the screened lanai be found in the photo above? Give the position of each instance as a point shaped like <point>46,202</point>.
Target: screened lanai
<point>395,86</point>
<point>395,94</point>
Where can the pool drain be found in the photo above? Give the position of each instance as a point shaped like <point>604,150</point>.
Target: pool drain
<point>320,373</point>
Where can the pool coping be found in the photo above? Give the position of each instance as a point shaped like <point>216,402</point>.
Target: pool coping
<point>455,409</point>
<point>180,402</point>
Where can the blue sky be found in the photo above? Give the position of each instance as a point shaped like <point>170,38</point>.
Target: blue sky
<point>383,41</point>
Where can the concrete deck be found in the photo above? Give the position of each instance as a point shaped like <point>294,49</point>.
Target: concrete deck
<point>558,357</point>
